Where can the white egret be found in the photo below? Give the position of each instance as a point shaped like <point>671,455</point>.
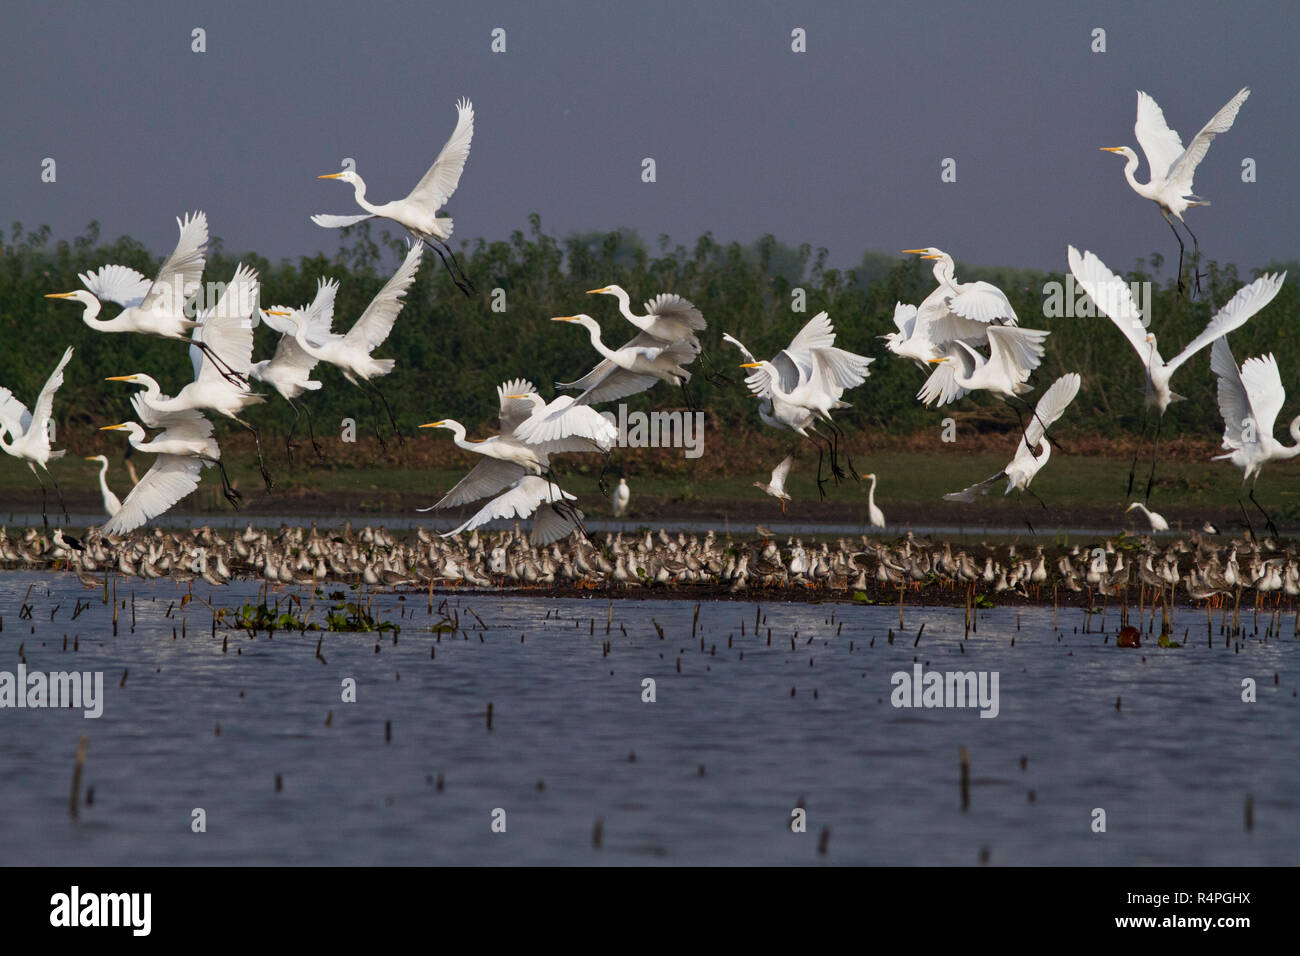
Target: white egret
<point>1014,353</point>
<point>1250,399</point>
<point>874,514</point>
<point>506,456</point>
<point>803,383</point>
<point>1112,297</point>
<point>776,484</point>
<point>1027,462</point>
<point>531,495</point>
<point>152,306</point>
<point>977,301</point>
<point>226,328</point>
<point>112,503</point>
<point>289,370</point>
<point>418,211</point>
<point>184,446</point>
<point>29,431</point>
<point>1170,167</point>
<point>622,494</point>
<point>669,317</point>
<point>350,353</point>
<point>633,368</point>
<point>1157,521</point>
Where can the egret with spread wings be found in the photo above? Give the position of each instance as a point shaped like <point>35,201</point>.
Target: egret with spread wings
<point>29,431</point>
<point>418,211</point>
<point>1170,167</point>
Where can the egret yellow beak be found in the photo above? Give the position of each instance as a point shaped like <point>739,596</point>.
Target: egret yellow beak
<point>331,176</point>
<point>597,291</point>
<point>564,318</point>
<point>932,257</point>
<point>276,312</point>
<point>1111,149</point>
<point>936,361</point>
<point>109,428</point>
<point>120,378</point>
<point>92,458</point>
<point>751,364</point>
<point>525,395</point>
<point>60,295</point>
<point>434,424</point>
<point>915,252</point>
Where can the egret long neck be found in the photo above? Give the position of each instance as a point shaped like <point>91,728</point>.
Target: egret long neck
<point>593,331</point>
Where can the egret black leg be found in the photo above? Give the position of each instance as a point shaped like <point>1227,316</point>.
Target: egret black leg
<point>1180,248</point>
<point>261,464</point>
<point>1267,520</point>
<point>311,430</point>
<point>1155,451</point>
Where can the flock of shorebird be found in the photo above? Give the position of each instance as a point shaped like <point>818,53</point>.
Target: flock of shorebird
<point>1205,567</point>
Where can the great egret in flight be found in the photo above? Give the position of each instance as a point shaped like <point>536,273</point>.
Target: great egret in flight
<point>1028,462</point>
<point>1170,166</point>
<point>633,368</point>
<point>553,517</point>
<point>112,503</point>
<point>1250,399</point>
<point>289,370</point>
<point>350,353</point>
<point>29,431</point>
<point>776,484</point>
<point>225,328</point>
<point>507,456</point>
<point>184,447</point>
<point>1112,296</point>
<point>152,306</point>
<point>418,211</point>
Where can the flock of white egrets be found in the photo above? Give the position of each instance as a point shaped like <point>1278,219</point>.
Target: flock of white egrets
<point>966,335</point>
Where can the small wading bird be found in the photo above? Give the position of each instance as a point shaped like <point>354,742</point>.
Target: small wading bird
<point>225,328</point>
<point>1158,522</point>
<point>350,353</point>
<point>289,370</point>
<point>184,447</point>
<point>29,432</point>
<point>1027,463</point>
<point>776,485</point>
<point>112,503</point>
<point>634,368</point>
<point>1250,399</point>
<point>418,211</point>
<point>152,306</point>
<point>1170,166</point>
<point>1112,296</point>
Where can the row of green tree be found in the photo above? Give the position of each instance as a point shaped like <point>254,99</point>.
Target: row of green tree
<point>451,350</point>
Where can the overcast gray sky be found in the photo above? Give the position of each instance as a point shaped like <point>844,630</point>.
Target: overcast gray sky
<point>839,147</point>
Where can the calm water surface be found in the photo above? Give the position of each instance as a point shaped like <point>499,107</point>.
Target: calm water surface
<point>708,773</point>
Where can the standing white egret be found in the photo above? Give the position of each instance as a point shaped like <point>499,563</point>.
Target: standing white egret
<point>289,370</point>
<point>1250,399</point>
<point>874,514</point>
<point>1112,296</point>
<point>1026,463</point>
<point>152,306</point>
<point>633,368</point>
<point>112,503</point>
<point>776,484</point>
<point>418,211</point>
<point>1157,521</point>
<point>622,494</point>
<point>29,431</point>
<point>350,353</point>
<point>226,329</point>
<point>1171,167</point>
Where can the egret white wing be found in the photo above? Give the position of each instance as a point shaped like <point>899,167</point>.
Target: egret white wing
<point>1184,168</point>
<point>120,284</point>
<point>1161,144</point>
<point>437,185</point>
<point>1248,300</point>
<point>377,321</point>
<point>170,479</point>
